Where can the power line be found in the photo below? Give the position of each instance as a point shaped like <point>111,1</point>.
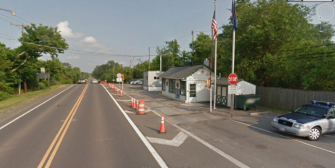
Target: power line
<point>7,35</point>
<point>5,19</point>
<point>9,17</point>
<point>23,19</point>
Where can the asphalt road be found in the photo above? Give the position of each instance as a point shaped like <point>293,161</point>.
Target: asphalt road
<point>97,136</point>
<point>91,126</point>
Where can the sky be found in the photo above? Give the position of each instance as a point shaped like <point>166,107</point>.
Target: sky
<point>124,27</point>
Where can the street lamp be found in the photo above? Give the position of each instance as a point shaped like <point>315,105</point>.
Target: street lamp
<point>11,11</point>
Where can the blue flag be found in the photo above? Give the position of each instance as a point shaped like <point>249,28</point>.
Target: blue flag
<point>233,15</point>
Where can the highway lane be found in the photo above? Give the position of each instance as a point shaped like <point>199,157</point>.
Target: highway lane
<point>98,135</point>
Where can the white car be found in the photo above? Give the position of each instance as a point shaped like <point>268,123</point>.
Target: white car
<point>138,82</point>
<point>94,81</point>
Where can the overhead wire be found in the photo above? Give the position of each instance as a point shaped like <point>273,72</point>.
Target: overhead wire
<point>10,17</point>
<point>4,19</point>
<point>23,19</point>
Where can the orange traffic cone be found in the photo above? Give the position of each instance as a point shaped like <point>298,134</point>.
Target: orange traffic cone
<point>137,104</point>
<point>162,130</point>
<point>121,94</point>
<point>131,103</point>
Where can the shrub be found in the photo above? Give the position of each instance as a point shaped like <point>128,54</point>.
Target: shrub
<point>3,95</point>
<point>42,85</point>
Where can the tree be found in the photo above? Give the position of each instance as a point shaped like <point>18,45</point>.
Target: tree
<point>37,41</point>
<point>202,48</point>
<point>267,30</point>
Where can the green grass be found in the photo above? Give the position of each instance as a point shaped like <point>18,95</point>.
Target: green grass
<point>17,100</point>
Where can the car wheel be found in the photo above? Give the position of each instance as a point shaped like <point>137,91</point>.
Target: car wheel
<point>314,134</point>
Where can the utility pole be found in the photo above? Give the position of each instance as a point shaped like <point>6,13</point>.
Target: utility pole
<point>25,79</point>
<point>122,79</point>
<point>113,72</point>
<point>129,71</point>
<point>160,67</point>
<point>149,59</point>
<point>216,42</point>
<point>192,42</point>
<point>23,25</point>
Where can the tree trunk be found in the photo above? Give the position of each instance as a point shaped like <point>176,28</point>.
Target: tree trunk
<point>18,57</point>
<point>13,70</point>
<point>25,85</point>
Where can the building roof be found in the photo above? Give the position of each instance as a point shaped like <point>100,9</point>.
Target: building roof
<point>224,81</point>
<point>181,72</point>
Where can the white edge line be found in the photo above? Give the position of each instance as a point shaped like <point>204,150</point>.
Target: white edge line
<point>33,108</point>
<point>145,141</point>
<point>285,137</point>
<point>218,151</point>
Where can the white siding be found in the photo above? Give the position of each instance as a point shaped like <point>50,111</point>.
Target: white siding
<point>199,77</point>
<point>150,81</point>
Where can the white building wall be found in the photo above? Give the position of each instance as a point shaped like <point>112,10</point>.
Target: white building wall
<point>199,77</point>
<point>149,81</point>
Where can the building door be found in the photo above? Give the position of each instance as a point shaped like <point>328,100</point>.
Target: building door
<point>193,93</point>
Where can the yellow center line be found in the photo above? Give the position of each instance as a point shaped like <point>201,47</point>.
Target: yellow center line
<point>66,125</point>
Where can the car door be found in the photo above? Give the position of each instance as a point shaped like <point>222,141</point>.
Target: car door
<point>331,120</point>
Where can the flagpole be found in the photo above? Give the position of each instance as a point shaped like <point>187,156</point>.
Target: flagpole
<point>216,41</point>
<point>211,67</point>
<point>232,66</point>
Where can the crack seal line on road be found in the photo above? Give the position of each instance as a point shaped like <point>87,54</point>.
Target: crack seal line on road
<point>284,136</point>
<point>61,133</point>
<point>33,108</point>
<point>152,150</point>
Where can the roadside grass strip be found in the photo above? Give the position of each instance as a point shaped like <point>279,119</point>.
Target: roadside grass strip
<point>158,158</point>
<point>33,108</point>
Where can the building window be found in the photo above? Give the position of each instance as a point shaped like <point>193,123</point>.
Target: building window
<point>193,90</point>
<point>172,87</point>
<point>163,84</point>
<point>183,88</point>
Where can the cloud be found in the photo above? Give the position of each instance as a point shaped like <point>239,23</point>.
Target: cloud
<point>65,31</point>
<point>92,42</point>
<point>89,40</point>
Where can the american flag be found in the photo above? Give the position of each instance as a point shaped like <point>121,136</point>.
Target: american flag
<point>215,27</point>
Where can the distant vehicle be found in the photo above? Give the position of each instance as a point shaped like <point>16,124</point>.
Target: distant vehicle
<point>81,80</point>
<point>138,82</point>
<point>309,120</point>
<point>133,82</point>
<point>94,81</point>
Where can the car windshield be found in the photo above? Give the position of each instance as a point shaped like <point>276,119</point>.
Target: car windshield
<point>81,79</point>
<point>311,110</point>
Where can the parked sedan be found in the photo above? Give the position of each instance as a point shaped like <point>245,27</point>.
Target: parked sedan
<point>309,120</point>
<point>81,80</point>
